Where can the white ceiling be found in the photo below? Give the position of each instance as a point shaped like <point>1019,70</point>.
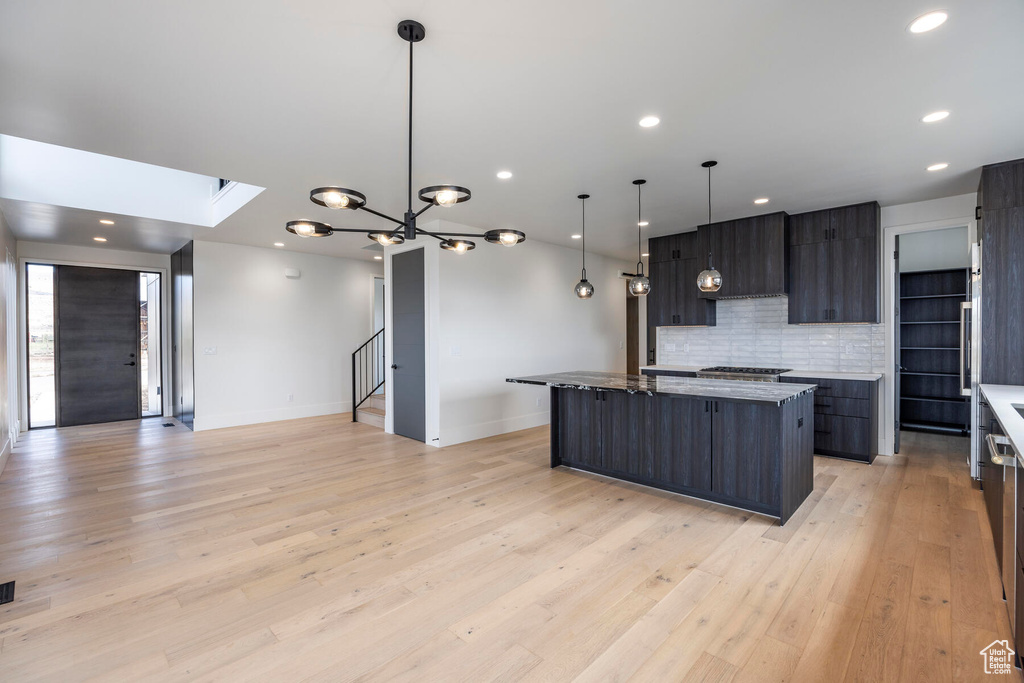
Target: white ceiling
<point>811,103</point>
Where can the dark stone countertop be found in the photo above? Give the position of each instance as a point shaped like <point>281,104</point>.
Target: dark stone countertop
<point>770,393</point>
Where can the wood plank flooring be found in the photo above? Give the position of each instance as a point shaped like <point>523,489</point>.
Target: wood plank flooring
<point>325,550</point>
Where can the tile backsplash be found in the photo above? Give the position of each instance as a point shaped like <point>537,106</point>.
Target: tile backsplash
<point>756,332</point>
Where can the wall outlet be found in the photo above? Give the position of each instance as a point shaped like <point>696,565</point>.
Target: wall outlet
<point>670,346</point>
<point>686,347</point>
<point>290,397</point>
<point>538,403</point>
<point>849,349</point>
<point>622,345</point>
<point>209,350</point>
<point>455,351</point>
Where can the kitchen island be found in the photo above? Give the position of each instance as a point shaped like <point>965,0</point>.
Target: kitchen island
<point>745,444</point>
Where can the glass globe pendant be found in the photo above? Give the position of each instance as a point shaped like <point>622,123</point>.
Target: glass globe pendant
<point>709,280</point>
<point>639,284</point>
<point>584,290</point>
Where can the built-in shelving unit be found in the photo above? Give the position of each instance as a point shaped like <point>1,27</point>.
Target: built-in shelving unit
<point>930,398</point>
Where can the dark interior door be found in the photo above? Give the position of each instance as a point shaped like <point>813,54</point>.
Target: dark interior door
<point>97,330</point>
<point>408,369</point>
<point>897,359</point>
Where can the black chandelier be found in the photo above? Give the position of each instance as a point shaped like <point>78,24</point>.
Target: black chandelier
<point>334,197</point>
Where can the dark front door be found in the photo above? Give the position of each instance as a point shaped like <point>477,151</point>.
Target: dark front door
<point>97,332</point>
<point>408,363</point>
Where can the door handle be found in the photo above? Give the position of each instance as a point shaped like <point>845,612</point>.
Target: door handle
<point>394,367</point>
<point>132,363</point>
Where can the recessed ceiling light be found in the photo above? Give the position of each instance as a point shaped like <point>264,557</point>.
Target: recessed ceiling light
<point>643,224</point>
<point>106,221</point>
<point>100,239</point>
<point>927,22</point>
<point>761,200</point>
<point>576,237</point>
<point>938,167</point>
<point>935,116</point>
<point>278,244</point>
<point>378,258</point>
<point>504,175</point>
<point>649,121</point>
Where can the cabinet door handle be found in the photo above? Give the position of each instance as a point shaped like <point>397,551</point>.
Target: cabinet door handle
<point>826,233</point>
<point>825,314</point>
<point>833,233</point>
<point>707,406</point>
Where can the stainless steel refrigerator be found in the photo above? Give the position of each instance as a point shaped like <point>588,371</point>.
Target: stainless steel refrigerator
<point>970,358</point>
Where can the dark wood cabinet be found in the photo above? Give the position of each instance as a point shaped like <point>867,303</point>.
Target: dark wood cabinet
<point>834,265</point>
<point>755,456</point>
<point>743,438</point>
<point>679,442</point>
<point>1001,228</point>
<point>673,299</point>
<point>751,253</point>
<point>845,417</point>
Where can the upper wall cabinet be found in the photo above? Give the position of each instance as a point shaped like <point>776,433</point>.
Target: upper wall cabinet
<point>751,254</point>
<point>1001,197</point>
<point>675,263</point>
<point>833,265</point>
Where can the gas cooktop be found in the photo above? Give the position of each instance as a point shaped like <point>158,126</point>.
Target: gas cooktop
<point>751,374</point>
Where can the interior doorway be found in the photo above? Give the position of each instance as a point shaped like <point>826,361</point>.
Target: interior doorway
<point>929,282</point>
<point>93,345</point>
<point>632,333</point>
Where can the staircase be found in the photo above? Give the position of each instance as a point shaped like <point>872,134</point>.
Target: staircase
<point>368,398</point>
<point>372,411</point>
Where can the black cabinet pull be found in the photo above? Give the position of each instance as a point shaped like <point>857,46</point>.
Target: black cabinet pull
<point>825,314</point>
<point>833,233</point>
<point>707,406</point>
<point>716,406</point>
<point>826,233</point>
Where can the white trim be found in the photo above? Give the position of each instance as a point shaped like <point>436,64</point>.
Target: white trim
<point>222,421</point>
<point>5,455</point>
<point>165,332</point>
<point>888,404</point>
<point>506,425</point>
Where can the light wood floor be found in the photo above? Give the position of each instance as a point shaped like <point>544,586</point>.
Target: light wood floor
<point>327,550</point>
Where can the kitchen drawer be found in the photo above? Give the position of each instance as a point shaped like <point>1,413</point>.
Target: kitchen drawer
<point>842,436</point>
<point>845,388</point>
<point>850,407</point>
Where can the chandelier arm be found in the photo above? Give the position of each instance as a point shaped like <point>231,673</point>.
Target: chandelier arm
<point>424,209</point>
<point>435,235</point>
<point>454,234</point>
<point>382,215</point>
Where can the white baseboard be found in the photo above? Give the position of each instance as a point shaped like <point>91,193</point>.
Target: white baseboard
<point>5,455</point>
<point>275,415</point>
<point>450,437</point>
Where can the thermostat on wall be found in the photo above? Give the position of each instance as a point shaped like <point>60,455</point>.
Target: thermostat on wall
<point>292,273</point>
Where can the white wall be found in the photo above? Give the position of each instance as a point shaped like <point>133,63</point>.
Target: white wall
<point>510,312</point>
<point>272,336</point>
<point>8,342</point>
<point>934,250</point>
<point>44,252</point>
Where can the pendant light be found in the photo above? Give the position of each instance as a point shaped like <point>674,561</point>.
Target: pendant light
<point>404,228</point>
<point>709,280</point>
<point>584,290</point>
<point>639,285</point>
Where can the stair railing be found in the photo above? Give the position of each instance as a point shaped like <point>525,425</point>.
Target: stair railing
<point>367,370</point>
